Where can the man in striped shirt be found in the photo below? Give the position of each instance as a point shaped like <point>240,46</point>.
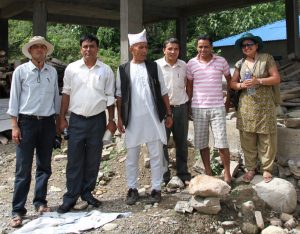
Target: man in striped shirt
<point>204,88</point>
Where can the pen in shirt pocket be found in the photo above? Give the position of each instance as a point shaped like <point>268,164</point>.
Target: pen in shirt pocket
<point>48,80</point>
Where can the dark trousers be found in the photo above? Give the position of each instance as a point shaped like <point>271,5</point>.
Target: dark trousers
<point>84,155</point>
<point>180,132</point>
<point>39,135</point>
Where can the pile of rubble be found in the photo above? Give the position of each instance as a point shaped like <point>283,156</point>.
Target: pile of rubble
<point>289,112</point>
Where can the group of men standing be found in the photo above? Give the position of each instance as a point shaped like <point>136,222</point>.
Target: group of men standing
<point>153,101</point>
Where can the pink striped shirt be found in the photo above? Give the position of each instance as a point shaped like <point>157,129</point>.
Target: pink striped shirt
<point>207,81</point>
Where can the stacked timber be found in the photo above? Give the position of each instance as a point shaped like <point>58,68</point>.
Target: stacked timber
<point>290,93</point>
<point>5,75</point>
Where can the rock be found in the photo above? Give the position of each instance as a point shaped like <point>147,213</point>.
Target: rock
<point>248,207</point>
<point>3,140</point>
<point>60,157</point>
<point>183,206</point>
<point>199,167</point>
<point>294,167</point>
<point>142,192</point>
<point>105,155</point>
<point>54,189</point>
<point>292,122</point>
<point>259,220</point>
<point>100,175</point>
<point>275,222</point>
<point>147,162</point>
<point>228,224</point>
<point>175,183</point>
<point>109,226</point>
<point>278,193</point>
<point>122,159</point>
<point>249,228</point>
<point>285,217</point>
<point>208,186</point>
<point>220,231</point>
<point>290,224</point>
<point>273,230</point>
<point>64,150</point>
<point>208,205</point>
<point>81,205</point>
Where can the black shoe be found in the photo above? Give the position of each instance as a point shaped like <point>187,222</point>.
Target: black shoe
<point>132,196</point>
<point>93,201</point>
<point>64,208</point>
<point>155,196</point>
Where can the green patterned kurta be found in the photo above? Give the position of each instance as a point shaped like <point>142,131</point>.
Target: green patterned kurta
<point>257,113</point>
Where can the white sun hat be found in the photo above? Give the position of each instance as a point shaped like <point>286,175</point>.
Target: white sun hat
<point>37,40</point>
<point>136,38</point>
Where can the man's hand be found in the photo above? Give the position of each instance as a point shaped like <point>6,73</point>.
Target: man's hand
<point>169,122</point>
<point>111,126</point>
<point>120,126</point>
<point>16,134</point>
<point>63,123</point>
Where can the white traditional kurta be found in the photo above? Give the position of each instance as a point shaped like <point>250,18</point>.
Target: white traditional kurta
<point>144,125</point>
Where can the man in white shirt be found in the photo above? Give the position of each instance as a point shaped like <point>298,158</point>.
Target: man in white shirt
<point>33,104</point>
<point>143,104</point>
<point>174,71</point>
<point>88,90</point>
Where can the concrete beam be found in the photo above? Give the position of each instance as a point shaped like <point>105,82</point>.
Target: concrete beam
<point>292,27</point>
<point>181,34</point>
<point>11,10</point>
<point>81,10</point>
<point>39,19</point>
<point>131,20</point>
<point>4,35</point>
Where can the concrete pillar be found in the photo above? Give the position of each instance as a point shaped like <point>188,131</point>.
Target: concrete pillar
<point>4,35</point>
<point>292,27</point>
<point>181,34</point>
<point>131,21</point>
<point>39,18</point>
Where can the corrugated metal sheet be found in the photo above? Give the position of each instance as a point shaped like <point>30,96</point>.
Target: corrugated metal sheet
<point>271,32</point>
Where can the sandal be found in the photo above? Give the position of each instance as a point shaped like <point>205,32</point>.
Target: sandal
<point>249,176</point>
<point>267,176</point>
<point>42,209</point>
<point>16,221</point>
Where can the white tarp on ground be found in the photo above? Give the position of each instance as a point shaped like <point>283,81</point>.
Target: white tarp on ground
<point>5,123</point>
<point>71,222</point>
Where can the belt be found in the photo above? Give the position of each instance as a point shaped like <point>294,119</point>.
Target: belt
<point>88,117</point>
<point>174,106</point>
<point>38,117</point>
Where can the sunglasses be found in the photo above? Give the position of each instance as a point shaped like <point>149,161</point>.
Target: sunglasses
<point>247,45</point>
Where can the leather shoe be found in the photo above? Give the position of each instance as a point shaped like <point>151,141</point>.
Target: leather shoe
<point>64,208</point>
<point>93,201</point>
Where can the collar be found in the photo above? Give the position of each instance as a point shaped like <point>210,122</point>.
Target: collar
<point>97,64</point>
<point>210,61</point>
<point>164,63</point>
<point>33,67</point>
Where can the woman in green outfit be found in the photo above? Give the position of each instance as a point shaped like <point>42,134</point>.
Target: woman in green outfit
<point>256,114</point>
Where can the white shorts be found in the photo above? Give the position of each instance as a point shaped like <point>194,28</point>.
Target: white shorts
<point>216,119</point>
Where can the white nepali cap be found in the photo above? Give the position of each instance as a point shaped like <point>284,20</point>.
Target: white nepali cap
<point>136,38</point>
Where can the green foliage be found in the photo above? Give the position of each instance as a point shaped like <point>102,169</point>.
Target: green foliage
<point>215,165</point>
<point>19,32</point>
<point>217,25</point>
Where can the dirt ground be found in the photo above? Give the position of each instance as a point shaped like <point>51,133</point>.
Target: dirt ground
<point>144,219</point>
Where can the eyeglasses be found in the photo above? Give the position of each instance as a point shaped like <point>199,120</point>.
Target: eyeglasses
<point>247,45</point>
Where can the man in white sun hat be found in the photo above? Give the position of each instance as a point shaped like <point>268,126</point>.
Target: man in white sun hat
<point>143,105</point>
<point>33,104</point>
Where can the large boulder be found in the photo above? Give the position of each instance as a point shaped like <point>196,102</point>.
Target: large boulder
<point>278,193</point>
<point>208,186</point>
